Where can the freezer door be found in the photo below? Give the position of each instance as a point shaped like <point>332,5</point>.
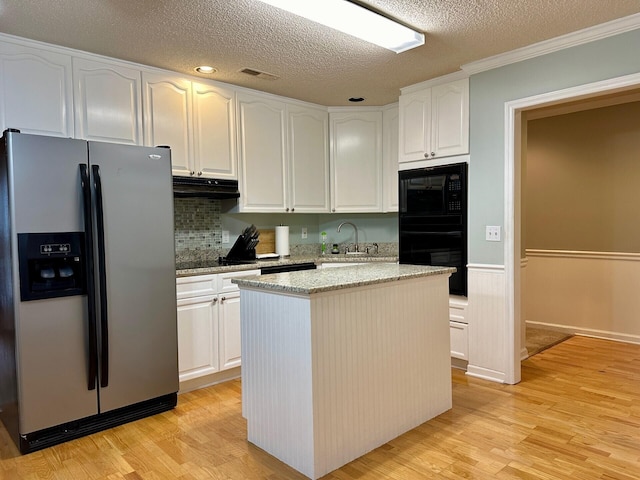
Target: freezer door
<point>51,334</point>
<point>139,360</point>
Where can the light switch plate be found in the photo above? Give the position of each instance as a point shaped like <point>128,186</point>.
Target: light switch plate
<point>304,232</point>
<point>225,236</point>
<point>493,233</point>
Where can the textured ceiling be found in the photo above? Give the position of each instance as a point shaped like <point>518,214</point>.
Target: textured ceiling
<point>312,62</point>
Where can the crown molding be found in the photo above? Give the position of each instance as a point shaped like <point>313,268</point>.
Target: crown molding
<point>450,77</point>
<point>598,32</point>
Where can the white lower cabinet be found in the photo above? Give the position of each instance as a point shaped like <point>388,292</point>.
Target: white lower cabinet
<point>459,340</point>
<point>198,325</point>
<point>229,328</point>
<point>208,324</point>
<point>458,327</point>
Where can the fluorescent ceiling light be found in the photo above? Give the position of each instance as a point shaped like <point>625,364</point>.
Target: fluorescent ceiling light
<point>354,20</point>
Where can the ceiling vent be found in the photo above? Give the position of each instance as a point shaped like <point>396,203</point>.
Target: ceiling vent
<point>259,74</point>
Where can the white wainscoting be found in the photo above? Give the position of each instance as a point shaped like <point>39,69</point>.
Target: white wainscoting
<point>488,330</point>
<point>524,354</point>
<point>586,293</point>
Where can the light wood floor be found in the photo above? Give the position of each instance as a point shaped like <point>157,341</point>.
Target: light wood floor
<point>575,415</point>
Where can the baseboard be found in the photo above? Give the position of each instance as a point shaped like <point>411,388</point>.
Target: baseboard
<point>208,380</point>
<point>524,354</point>
<point>486,374</point>
<point>586,332</point>
<point>459,364</point>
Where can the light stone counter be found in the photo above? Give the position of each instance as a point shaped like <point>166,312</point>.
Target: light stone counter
<point>210,266</point>
<point>324,280</point>
<point>336,362</point>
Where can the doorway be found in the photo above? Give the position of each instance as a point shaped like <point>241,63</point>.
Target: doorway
<point>514,121</point>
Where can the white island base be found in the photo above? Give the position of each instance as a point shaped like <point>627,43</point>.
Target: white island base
<point>330,376</point>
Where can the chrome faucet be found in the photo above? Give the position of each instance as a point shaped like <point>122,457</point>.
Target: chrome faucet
<point>354,227</point>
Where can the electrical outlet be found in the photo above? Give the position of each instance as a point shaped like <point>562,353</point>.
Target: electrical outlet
<point>304,232</point>
<point>225,236</point>
<point>493,233</point>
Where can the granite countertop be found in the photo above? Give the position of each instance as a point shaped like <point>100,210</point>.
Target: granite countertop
<point>324,280</point>
<point>187,269</point>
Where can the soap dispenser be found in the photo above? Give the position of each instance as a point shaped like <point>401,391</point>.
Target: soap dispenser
<point>324,242</point>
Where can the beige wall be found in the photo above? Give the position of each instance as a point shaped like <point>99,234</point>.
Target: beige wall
<point>581,189</point>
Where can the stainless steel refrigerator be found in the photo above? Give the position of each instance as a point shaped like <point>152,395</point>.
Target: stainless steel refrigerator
<point>88,334</point>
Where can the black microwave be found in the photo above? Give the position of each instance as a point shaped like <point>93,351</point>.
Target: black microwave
<point>433,191</point>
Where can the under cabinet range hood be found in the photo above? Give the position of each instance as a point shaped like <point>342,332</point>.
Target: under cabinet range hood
<point>220,189</point>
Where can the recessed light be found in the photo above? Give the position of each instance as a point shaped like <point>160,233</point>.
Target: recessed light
<point>206,69</point>
<point>356,99</point>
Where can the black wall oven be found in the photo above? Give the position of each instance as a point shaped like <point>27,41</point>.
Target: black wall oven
<point>433,220</point>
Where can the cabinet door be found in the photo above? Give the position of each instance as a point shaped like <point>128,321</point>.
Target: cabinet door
<point>356,161</point>
<point>308,159</point>
<point>390,118</point>
<point>167,113</point>
<point>108,104</point>
<point>197,337</point>
<point>214,131</point>
<point>459,340</point>
<point>415,126</point>
<point>262,154</point>
<point>36,91</point>
<point>450,118</point>
<point>230,350</point>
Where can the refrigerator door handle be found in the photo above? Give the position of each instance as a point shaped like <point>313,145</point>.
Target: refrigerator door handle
<point>102,279</point>
<point>91,291</point>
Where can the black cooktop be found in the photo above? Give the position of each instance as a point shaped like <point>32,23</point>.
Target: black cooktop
<point>223,261</point>
<point>212,262</point>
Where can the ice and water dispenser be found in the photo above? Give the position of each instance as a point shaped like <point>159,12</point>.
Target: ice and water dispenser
<point>51,265</point>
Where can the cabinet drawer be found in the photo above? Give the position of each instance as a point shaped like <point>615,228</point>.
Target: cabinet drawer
<point>459,340</point>
<point>224,280</point>
<point>458,309</point>
<point>196,286</point>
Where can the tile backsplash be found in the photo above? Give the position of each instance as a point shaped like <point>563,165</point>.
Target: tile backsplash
<point>198,225</point>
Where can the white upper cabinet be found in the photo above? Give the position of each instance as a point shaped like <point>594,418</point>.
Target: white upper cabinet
<point>308,159</point>
<point>197,120</point>
<point>36,94</point>
<point>167,118</point>
<point>450,118</point>
<point>415,126</point>
<point>390,118</point>
<point>434,122</point>
<point>356,161</point>
<point>261,153</point>
<point>283,156</point>
<point>214,131</point>
<point>108,104</point>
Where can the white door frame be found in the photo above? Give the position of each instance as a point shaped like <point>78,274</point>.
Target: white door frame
<point>512,202</point>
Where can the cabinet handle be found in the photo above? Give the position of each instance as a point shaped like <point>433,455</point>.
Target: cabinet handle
<point>426,155</point>
<point>223,299</point>
<point>199,173</point>
<point>333,209</point>
<point>192,173</point>
<point>215,300</point>
<point>293,209</point>
<point>286,209</point>
<point>433,154</point>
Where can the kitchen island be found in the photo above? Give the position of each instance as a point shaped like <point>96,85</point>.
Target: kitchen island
<point>337,362</point>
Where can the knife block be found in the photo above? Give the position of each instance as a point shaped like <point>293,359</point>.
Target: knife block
<point>241,249</point>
